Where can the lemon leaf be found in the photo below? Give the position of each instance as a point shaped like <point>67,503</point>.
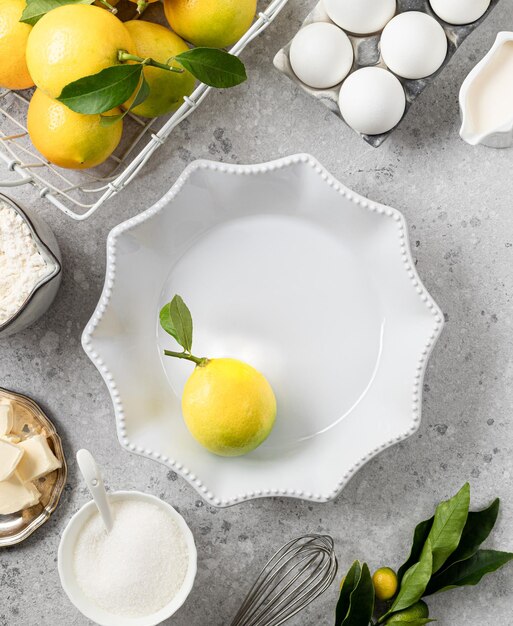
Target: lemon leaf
<point>166,321</point>
<point>468,572</point>
<point>450,516</point>
<point>479,525</point>
<point>181,320</point>
<point>142,93</point>
<point>103,91</point>
<point>415,581</point>
<point>361,602</point>
<point>350,581</point>
<point>214,67</point>
<point>450,519</point>
<point>35,9</point>
<point>419,539</point>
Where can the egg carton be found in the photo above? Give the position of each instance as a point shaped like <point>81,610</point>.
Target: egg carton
<point>367,53</point>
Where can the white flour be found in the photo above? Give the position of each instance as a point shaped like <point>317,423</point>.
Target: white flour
<point>21,264</point>
<point>137,568</point>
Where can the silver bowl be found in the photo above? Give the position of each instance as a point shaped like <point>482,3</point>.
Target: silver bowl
<point>44,292</point>
<point>29,419</point>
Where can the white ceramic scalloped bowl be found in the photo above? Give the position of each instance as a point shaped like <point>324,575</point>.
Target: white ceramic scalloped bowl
<point>284,267</point>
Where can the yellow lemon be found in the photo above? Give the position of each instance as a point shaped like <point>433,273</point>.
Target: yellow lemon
<point>419,610</point>
<point>14,73</point>
<point>167,89</point>
<point>213,23</point>
<point>228,406</point>
<point>74,41</point>
<point>385,583</point>
<point>70,139</point>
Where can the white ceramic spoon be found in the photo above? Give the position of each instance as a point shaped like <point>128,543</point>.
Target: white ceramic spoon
<point>94,481</point>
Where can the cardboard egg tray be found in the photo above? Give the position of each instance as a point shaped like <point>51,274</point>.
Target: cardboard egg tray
<point>367,53</point>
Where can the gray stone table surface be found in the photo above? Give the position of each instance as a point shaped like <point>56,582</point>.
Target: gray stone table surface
<point>458,204</point>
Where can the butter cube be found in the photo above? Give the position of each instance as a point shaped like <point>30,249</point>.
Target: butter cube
<point>10,438</point>
<point>15,495</point>
<point>6,417</point>
<point>10,456</point>
<point>37,460</point>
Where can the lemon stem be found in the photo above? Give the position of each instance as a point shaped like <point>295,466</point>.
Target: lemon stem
<point>187,356</point>
<point>109,6</point>
<point>141,5</point>
<point>123,56</point>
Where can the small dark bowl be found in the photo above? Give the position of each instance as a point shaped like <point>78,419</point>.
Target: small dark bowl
<point>44,292</point>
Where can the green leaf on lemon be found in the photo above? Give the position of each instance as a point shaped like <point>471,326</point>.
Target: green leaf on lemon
<point>143,91</point>
<point>361,601</point>
<point>470,571</point>
<point>103,91</point>
<point>443,538</point>
<point>450,519</point>
<point>176,319</point>
<point>166,322</point>
<point>35,9</point>
<point>213,67</point>
<point>351,579</point>
<point>419,539</point>
<point>415,581</point>
<point>479,525</point>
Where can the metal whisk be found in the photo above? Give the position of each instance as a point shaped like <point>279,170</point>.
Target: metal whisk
<point>295,576</point>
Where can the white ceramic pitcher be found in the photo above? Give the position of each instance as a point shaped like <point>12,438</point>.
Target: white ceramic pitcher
<point>486,97</point>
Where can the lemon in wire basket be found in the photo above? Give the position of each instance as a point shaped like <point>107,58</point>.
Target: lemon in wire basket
<point>14,34</point>
<point>73,41</point>
<point>68,139</point>
<point>216,23</point>
<point>167,89</point>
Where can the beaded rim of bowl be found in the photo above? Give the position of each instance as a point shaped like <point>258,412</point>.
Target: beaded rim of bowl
<point>240,170</point>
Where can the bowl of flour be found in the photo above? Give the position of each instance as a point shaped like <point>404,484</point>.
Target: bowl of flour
<point>138,574</point>
<point>30,267</point>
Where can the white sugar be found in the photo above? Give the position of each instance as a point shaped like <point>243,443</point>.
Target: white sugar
<point>139,566</point>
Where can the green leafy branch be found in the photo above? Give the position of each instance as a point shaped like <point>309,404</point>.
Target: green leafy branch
<point>113,86</point>
<point>445,554</point>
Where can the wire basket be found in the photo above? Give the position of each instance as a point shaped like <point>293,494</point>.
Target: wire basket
<point>79,194</point>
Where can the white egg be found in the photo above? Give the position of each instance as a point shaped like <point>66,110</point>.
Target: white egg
<point>372,100</point>
<point>460,11</point>
<point>413,45</point>
<point>360,16</point>
<point>321,55</point>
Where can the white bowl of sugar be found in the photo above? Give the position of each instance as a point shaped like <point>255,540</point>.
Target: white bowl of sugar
<point>140,573</point>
